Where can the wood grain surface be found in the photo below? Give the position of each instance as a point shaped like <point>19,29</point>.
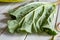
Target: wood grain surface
<point>4,16</point>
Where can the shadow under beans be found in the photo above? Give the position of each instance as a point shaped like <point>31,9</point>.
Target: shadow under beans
<point>15,33</point>
<point>40,34</point>
<point>5,19</point>
<point>21,33</point>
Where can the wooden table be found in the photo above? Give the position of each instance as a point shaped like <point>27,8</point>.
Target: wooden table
<point>4,7</point>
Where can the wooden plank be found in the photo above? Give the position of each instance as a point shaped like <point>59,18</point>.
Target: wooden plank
<point>7,36</point>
